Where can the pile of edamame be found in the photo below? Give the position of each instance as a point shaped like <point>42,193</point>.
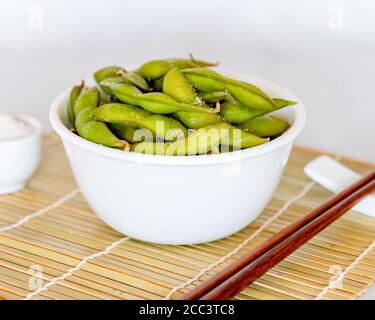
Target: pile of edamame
<point>174,107</point>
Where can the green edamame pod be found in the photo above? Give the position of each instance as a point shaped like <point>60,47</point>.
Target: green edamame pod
<point>83,117</point>
<point>88,98</point>
<point>178,87</point>
<point>97,131</point>
<point>158,68</point>
<point>194,144</point>
<point>215,96</point>
<point>201,141</point>
<point>107,72</point>
<point>74,94</point>
<point>234,112</point>
<point>155,102</point>
<point>281,103</point>
<point>265,126</point>
<point>154,69</point>
<point>247,140</point>
<point>134,79</point>
<point>129,132</point>
<point>230,110</point>
<point>247,94</point>
<point>160,126</point>
<point>195,120</point>
<point>160,148</point>
<point>109,82</point>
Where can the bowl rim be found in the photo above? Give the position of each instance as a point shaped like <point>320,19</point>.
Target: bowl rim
<point>211,159</point>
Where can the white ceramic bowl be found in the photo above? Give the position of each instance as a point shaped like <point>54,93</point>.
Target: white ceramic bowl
<point>19,158</point>
<point>179,200</point>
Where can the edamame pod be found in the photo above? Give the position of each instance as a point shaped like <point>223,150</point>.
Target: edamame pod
<point>247,94</point>
<point>247,140</point>
<point>265,126</point>
<point>155,69</point>
<point>109,82</point>
<point>129,132</point>
<point>178,87</point>
<point>234,112</point>
<point>160,126</point>
<point>155,102</point>
<point>121,76</point>
<point>205,139</point>
<point>134,79</point>
<point>88,98</point>
<point>231,110</point>
<point>194,120</point>
<point>281,103</point>
<point>106,72</point>
<point>215,96</point>
<point>201,141</point>
<point>83,117</point>
<point>74,94</point>
<point>97,131</point>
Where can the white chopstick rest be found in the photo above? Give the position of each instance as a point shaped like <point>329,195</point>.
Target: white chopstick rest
<point>335,177</point>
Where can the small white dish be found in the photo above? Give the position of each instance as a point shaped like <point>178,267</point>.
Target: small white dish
<point>335,177</point>
<point>19,158</point>
<point>182,199</point>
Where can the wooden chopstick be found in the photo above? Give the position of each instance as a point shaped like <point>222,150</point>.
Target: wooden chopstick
<point>262,264</point>
<point>250,266</point>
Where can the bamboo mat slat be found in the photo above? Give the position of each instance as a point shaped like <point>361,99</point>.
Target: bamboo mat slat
<point>52,246</point>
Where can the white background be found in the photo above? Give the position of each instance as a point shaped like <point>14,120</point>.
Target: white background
<point>323,51</point>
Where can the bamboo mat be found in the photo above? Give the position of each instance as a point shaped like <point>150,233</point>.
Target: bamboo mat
<point>52,246</point>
